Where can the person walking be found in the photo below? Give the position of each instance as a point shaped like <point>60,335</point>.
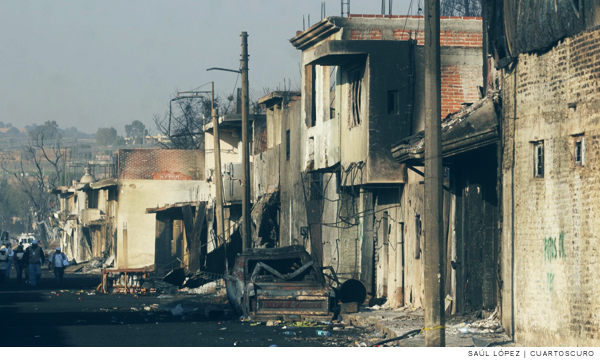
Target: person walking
<point>18,261</point>
<point>34,258</point>
<point>59,261</point>
<point>11,254</point>
<point>3,263</point>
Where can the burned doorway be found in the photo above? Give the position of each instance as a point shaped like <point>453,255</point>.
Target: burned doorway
<point>476,229</point>
<point>313,193</point>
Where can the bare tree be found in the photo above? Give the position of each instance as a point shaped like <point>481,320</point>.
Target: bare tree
<point>460,7</point>
<point>38,168</point>
<point>183,126</point>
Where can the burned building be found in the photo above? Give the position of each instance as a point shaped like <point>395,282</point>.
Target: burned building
<point>108,217</point>
<point>470,152</point>
<point>230,136</point>
<point>361,93</point>
<point>276,183</point>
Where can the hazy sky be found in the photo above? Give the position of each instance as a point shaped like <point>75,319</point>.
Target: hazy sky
<point>93,64</point>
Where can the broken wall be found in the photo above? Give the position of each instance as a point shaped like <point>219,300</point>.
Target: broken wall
<point>293,209</point>
<point>135,196</point>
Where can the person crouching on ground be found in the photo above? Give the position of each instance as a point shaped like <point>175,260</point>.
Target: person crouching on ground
<point>34,257</point>
<point>3,263</point>
<point>18,261</point>
<point>59,261</point>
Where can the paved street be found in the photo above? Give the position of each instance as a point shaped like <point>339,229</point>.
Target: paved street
<point>45,316</point>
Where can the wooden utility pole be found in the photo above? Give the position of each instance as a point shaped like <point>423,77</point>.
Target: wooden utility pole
<point>246,225</point>
<point>218,174</point>
<point>435,332</point>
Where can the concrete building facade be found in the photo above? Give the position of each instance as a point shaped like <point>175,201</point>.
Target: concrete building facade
<point>360,94</point>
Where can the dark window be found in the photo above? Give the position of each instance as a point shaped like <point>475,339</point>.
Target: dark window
<point>579,150</point>
<point>418,237</point>
<point>113,194</point>
<point>316,186</point>
<point>93,199</point>
<point>332,83</point>
<point>355,96</point>
<point>538,159</point>
<point>287,145</point>
<point>393,102</point>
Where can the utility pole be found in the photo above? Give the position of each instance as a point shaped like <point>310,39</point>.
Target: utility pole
<point>218,174</point>
<point>435,332</point>
<point>246,226</point>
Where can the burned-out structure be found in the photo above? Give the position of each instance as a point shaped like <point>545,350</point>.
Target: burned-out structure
<point>276,180</point>
<point>470,150</point>
<point>547,55</point>
<point>87,218</point>
<point>361,93</point>
<point>230,135</point>
<point>181,236</point>
<point>108,218</point>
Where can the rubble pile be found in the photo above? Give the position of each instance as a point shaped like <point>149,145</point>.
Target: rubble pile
<point>92,267</point>
<point>473,323</point>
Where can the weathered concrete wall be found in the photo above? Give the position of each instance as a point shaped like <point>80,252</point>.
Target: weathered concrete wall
<point>293,209</point>
<point>274,119</point>
<point>265,172</point>
<point>412,209</point>
<point>231,145</point>
<point>341,229</point>
<point>552,222</point>
<point>135,196</point>
<point>388,246</point>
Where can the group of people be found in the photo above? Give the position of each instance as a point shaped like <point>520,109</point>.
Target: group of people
<point>29,262</point>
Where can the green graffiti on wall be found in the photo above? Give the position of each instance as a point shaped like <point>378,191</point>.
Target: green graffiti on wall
<point>554,248</point>
<point>550,281</point>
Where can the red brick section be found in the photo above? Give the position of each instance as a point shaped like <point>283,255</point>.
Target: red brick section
<point>366,34</point>
<point>459,83</point>
<point>412,17</point>
<point>161,164</point>
<point>459,86</point>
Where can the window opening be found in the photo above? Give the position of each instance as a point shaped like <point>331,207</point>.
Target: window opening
<point>418,237</point>
<point>393,102</point>
<point>332,85</point>
<point>579,150</point>
<point>355,96</point>
<point>538,154</point>
<point>316,186</point>
<point>287,145</point>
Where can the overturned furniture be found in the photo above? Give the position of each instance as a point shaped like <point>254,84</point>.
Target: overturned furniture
<point>281,284</point>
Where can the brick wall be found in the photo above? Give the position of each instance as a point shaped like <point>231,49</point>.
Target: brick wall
<point>161,164</point>
<point>459,82</point>
<point>556,218</point>
<point>459,86</point>
<point>366,34</point>
<point>464,39</point>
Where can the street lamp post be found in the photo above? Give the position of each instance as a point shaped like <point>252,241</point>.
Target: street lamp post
<point>246,225</point>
